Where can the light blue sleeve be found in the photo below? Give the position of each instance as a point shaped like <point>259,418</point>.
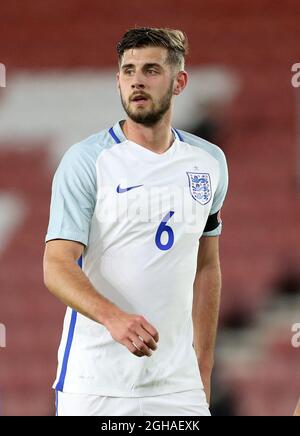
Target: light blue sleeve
<point>73,196</point>
<point>220,192</point>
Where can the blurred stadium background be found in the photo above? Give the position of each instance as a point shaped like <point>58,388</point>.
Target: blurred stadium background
<point>60,61</point>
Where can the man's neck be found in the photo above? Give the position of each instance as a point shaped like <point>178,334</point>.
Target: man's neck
<point>157,138</point>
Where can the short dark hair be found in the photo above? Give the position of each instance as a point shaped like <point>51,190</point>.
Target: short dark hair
<point>175,41</point>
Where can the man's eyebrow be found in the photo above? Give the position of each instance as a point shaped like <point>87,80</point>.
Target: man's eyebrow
<point>123,67</point>
<point>147,65</point>
<point>153,64</point>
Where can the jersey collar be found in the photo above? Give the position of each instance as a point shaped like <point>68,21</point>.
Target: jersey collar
<point>118,135</point>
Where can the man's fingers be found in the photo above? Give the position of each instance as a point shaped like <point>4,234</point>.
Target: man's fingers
<point>147,338</point>
<point>140,344</point>
<point>151,330</point>
<point>133,349</point>
<point>141,337</point>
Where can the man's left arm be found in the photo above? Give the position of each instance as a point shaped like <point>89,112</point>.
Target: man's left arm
<point>206,303</point>
<point>297,411</point>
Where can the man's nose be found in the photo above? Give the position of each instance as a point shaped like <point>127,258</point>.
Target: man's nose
<point>138,82</point>
<point>137,85</point>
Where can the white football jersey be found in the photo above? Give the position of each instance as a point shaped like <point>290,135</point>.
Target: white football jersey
<point>140,216</point>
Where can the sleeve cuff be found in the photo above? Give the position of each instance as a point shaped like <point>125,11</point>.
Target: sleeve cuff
<point>216,232</point>
<point>69,236</point>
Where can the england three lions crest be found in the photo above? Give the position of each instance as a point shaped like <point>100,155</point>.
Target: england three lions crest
<point>200,187</point>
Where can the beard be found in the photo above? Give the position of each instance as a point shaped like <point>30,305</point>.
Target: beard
<point>152,115</point>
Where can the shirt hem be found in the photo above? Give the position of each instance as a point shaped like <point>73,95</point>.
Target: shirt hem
<point>108,392</point>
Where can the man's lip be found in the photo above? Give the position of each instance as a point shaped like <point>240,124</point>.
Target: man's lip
<point>139,98</point>
<point>144,100</point>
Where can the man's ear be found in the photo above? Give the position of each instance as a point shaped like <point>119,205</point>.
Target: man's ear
<point>180,82</point>
<point>118,79</point>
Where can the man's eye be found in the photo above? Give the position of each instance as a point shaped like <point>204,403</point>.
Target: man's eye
<point>128,72</point>
<point>152,71</point>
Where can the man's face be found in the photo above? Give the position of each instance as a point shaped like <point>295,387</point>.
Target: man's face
<point>146,84</point>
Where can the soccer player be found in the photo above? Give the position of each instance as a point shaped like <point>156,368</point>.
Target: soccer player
<point>138,207</point>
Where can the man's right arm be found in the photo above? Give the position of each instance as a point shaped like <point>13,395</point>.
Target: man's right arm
<point>66,280</point>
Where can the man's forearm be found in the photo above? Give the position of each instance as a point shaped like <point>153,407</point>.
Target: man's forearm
<point>206,303</point>
<point>68,282</point>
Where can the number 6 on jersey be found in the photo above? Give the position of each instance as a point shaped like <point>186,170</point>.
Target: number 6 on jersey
<point>164,228</point>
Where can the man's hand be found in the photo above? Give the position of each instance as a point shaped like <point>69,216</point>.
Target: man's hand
<point>132,331</point>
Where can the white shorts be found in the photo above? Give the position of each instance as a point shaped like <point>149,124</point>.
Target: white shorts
<point>189,403</point>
